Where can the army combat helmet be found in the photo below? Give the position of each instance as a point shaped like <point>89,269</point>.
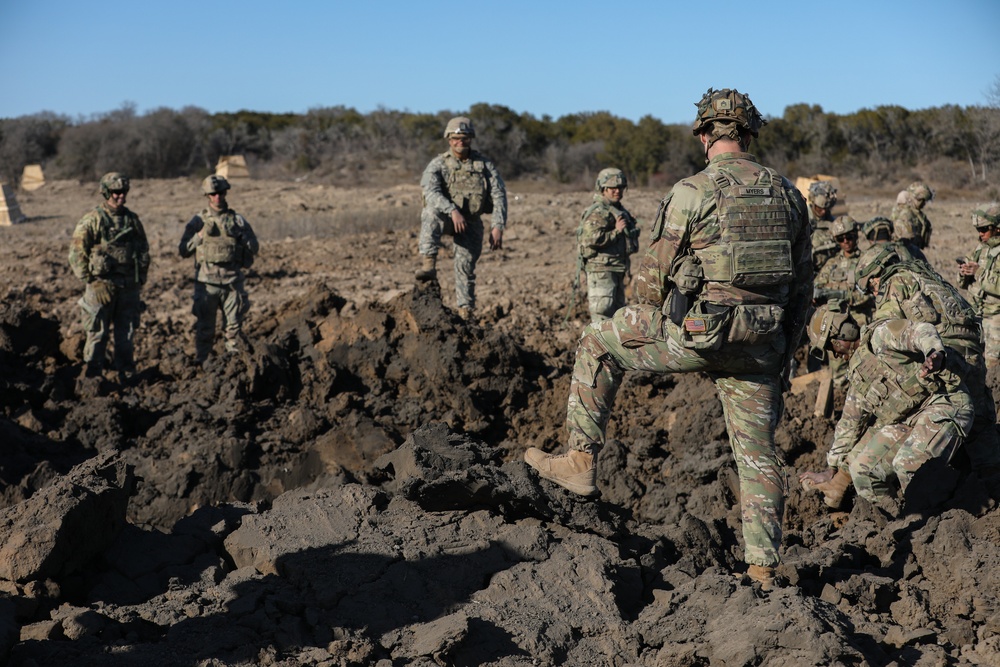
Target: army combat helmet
<point>610,178</point>
<point>920,192</point>
<point>459,125</point>
<point>844,224</point>
<point>214,184</point>
<point>822,194</point>
<point>727,105</point>
<point>873,263</point>
<point>829,325</point>
<point>986,215</point>
<point>114,181</point>
<point>878,228</point>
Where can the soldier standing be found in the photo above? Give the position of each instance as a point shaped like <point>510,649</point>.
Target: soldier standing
<point>723,289</point>
<point>980,274</point>
<point>822,199</point>
<point>459,187</point>
<point>910,223</point>
<point>110,253</point>
<point>607,236</point>
<point>223,244</point>
<point>905,406</point>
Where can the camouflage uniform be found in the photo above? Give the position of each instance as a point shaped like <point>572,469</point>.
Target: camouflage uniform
<point>474,187</point>
<point>110,253</point>
<point>913,291</point>
<point>822,194</point>
<point>984,286</point>
<point>605,253</point>
<point>223,244</point>
<point>738,335</point>
<point>909,222</point>
<point>834,290</point>
<point>894,421</point>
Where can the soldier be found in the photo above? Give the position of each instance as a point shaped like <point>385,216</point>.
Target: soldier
<point>110,253</point>
<point>905,406</point>
<point>822,198</point>
<point>834,287</point>
<point>914,291</point>
<point>223,244</point>
<point>878,231</point>
<point>981,276</point>
<point>606,237</point>
<point>909,222</point>
<point>460,186</point>
<point>723,289</point>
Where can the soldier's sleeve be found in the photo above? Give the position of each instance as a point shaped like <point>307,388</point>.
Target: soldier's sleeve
<point>80,246</point>
<point>902,224</point>
<point>596,232</point>
<point>433,185</point>
<point>189,240</point>
<point>247,236</point>
<point>849,429</point>
<point>498,193</point>
<point>905,336</point>
<point>889,302</point>
<point>670,233</point>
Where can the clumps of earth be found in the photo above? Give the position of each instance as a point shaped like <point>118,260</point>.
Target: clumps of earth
<point>349,490</point>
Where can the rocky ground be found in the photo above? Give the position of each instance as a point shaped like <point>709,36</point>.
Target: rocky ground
<point>350,490</point>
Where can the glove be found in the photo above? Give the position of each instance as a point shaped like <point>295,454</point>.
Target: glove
<point>103,291</point>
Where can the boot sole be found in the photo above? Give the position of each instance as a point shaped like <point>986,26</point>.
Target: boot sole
<point>579,489</point>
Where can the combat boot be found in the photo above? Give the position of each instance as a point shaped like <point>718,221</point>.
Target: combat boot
<point>573,470</point>
<point>763,575</point>
<point>834,490</point>
<point>428,268</point>
<point>465,313</point>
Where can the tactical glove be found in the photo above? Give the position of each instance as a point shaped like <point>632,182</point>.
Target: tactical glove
<point>103,291</point>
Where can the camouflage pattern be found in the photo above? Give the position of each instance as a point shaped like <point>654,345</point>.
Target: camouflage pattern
<point>114,181</point>
<point>822,194</point>
<point>605,253</point>
<point>727,106</point>
<point>752,347</point>
<point>823,245</point>
<point>878,228</point>
<point>909,222</point>
<point>894,421</point>
<point>109,246</point>
<point>223,244</point>
<point>913,291</point>
<point>474,187</point>
<point>834,290</point>
<point>984,286</point>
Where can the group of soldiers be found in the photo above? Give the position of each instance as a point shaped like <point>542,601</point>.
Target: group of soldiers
<point>726,287</point>
<point>110,253</point>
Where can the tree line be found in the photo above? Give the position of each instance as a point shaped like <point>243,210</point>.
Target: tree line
<point>952,146</point>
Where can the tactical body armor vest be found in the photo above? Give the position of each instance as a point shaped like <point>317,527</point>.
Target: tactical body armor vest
<point>468,184</point>
<point>219,245</point>
<point>987,279</point>
<point>626,244</point>
<point>118,251</point>
<point>755,248</point>
<point>936,302</point>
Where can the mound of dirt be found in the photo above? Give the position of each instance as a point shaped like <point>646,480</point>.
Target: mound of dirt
<point>349,490</point>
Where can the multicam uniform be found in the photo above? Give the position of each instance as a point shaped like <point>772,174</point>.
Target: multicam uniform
<point>110,247</point>
<point>913,291</point>
<point>909,223</point>
<point>474,187</point>
<point>894,420</point>
<point>984,288</point>
<point>605,252</point>
<point>744,229</point>
<point>225,247</point>
<point>824,246</point>
<point>834,290</point>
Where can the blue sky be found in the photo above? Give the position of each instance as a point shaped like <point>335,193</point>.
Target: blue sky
<point>543,57</point>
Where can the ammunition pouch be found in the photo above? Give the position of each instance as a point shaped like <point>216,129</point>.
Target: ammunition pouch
<point>704,326</point>
<point>755,324</point>
<point>107,259</point>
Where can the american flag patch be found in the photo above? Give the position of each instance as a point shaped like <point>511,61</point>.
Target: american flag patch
<point>695,324</point>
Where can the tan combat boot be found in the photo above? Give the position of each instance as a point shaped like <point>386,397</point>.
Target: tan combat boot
<point>573,470</point>
<point>834,490</point>
<point>428,268</point>
<point>465,313</point>
<point>763,575</point>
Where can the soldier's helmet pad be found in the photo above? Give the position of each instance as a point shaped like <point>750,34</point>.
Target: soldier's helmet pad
<point>822,194</point>
<point>459,125</point>
<point>727,104</point>
<point>114,181</point>
<point>214,184</point>
<point>986,216</point>
<point>610,178</point>
<point>827,325</point>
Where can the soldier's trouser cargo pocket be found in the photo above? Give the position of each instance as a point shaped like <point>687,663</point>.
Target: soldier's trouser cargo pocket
<point>755,324</point>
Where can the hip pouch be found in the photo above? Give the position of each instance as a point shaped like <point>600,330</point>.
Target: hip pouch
<point>704,326</point>
<point>755,324</point>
